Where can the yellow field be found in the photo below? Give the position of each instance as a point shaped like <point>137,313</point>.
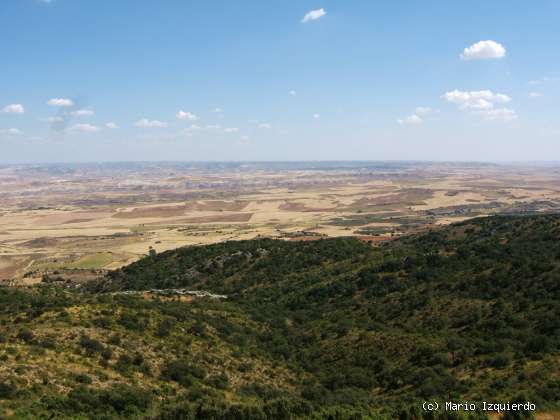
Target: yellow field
<point>91,221</point>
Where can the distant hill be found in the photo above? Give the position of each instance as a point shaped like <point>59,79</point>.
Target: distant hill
<point>332,328</point>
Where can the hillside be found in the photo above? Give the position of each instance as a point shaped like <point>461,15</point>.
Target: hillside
<point>333,327</point>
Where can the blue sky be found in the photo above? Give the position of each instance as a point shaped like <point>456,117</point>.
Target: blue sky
<point>106,80</point>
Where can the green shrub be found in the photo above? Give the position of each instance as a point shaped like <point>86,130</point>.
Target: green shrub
<point>90,345</point>
<point>182,372</point>
<point>7,390</point>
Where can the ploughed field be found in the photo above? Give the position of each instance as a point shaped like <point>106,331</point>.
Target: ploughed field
<point>333,328</point>
<point>72,222</point>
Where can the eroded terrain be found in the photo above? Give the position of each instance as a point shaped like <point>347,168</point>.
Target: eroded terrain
<point>73,221</point>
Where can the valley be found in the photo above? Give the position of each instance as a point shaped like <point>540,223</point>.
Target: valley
<point>75,221</point>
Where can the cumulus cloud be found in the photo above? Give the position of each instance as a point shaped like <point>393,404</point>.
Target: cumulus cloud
<point>479,104</point>
<point>60,102</point>
<point>314,15</point>
<point>82,113</point>
<point>14,109</point>
<point>292,92</point>
<point>217,110</point>
<point>231,130</point>
<point>86,128</point>
<point>484,50</point>
<point>185,115</point>
<point>482,102</point>
<point>417,117</point>
<point>146,123</point>
<point>411,120</point>
<point>316,116</point>
<point>502,114</point>
<point>480,99</point>
<point>535,94</point>
<point>111,125</point>
<point>213,127</point>
<point>265,125</point>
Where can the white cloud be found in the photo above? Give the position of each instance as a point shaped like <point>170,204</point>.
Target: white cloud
<point>478,104</point>
<point>146,123</point>
<point>502,114</point>
<point>111,125</point>
<point>411,120</point>
<point>265,125</point>
<point>86,128</point>
<point>213,127</point>
<point>53,119</point>
<point>60,102</point>
<point>314,15</point>
<point>424,110</point>
<point>456,96</point>
<point>480,99</point>
<point>538,81</point>
<point>292,92</point>
<point>416,117</point>
<point>481,102</point>
<point>316,116</point>
<point>12,131</point>
<point>185,115</point>
<point>193,127</point>
<point>484,50</point>
<point>231,130</point>
<point>535,94</point>
<point>217,110</point>
<point>14,109</point>
<point>82,113</point>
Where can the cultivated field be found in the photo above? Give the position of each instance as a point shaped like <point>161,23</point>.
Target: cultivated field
<point>70,221</point>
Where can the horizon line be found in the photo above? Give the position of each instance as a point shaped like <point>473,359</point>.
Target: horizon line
<point>426,161</point>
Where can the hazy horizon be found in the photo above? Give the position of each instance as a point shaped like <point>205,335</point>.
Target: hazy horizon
<point>272,162</point>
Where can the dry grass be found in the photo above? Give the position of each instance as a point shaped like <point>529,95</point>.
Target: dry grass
<point>42,219</point>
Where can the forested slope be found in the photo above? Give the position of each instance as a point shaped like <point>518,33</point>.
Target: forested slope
<point>470,311</point>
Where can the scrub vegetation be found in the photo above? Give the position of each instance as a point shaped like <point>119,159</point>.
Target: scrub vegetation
<point>331,328</point>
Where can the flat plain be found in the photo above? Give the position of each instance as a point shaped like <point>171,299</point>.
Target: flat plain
<point>75,221</point>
